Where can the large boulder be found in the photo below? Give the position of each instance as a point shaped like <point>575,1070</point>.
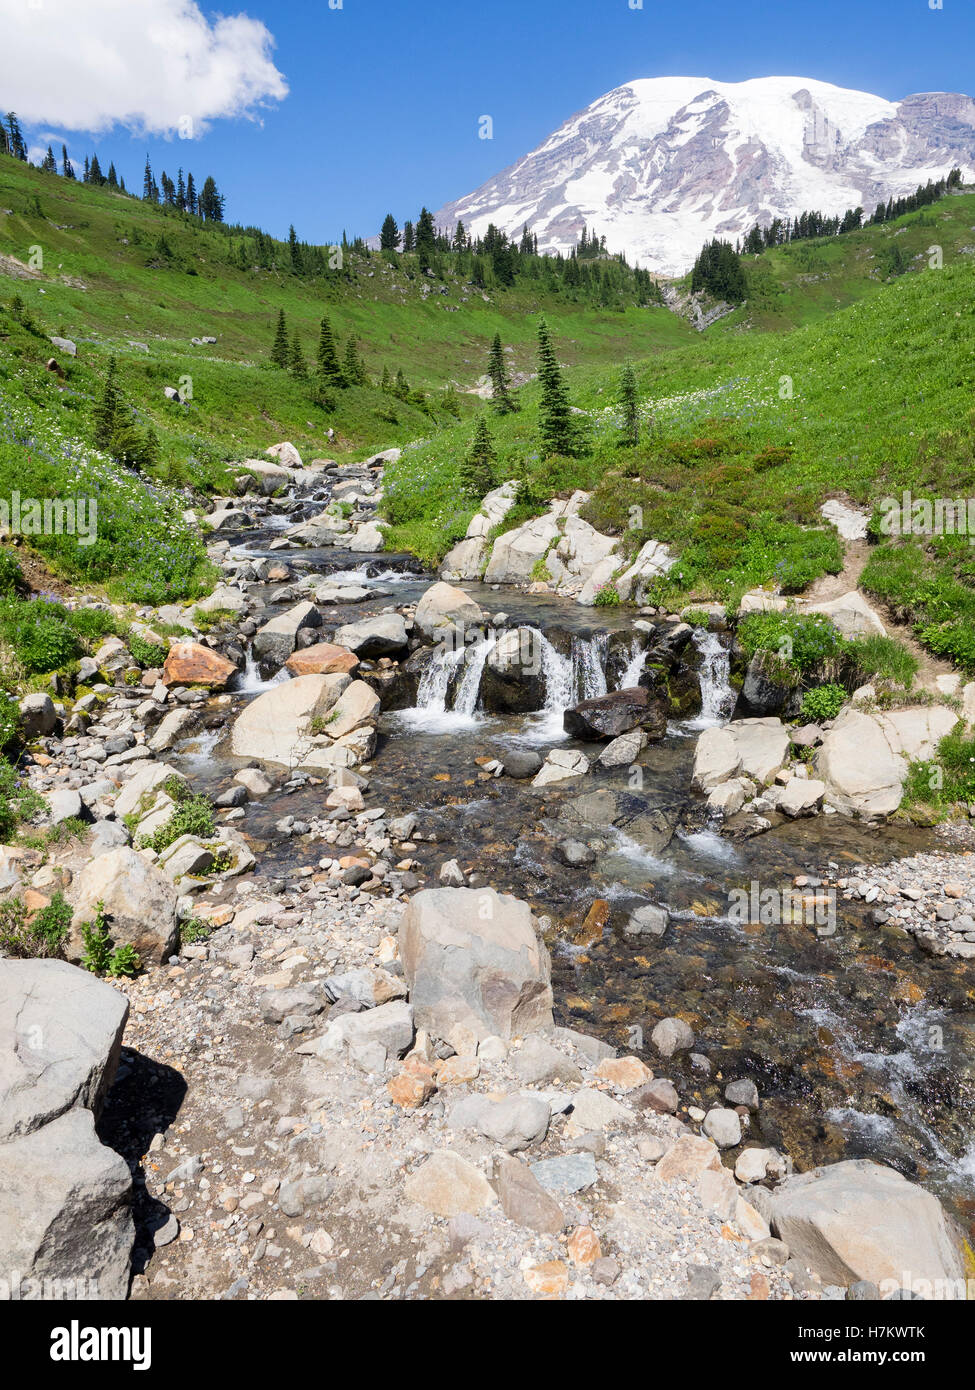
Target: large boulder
<point>322,659</point>
<point>516,552</point>
<point>65,1201</point>
<point>276,640</point>
<point>286,455</point>
<point>358,705</point>
<point>224,599</point>
<point>66,1212</point>
<point>608,716</point>
<point>513,679</point>
<point>860,1220</point>
<point>864,775</point>
<point>716,759</point>
<point>763,745</point>
<point>139,903</point>
<point>443,606</point>
<point>275,726</point>
<point>190,663</point>
<point>653,560</point>
<point>384,635</point>
<point>767,688</point>
<point>475,959</point>
<point>60,1037</point>
<point>466,559</point>
<point>851,614</point>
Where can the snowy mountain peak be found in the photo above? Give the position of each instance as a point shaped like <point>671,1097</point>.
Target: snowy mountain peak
<point>662,164</point>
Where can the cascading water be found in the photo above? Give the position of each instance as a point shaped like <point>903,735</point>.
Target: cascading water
<point>431,696</point>
<point>251,682</point>
<point>468,689</point>
<point>589,666</point>
<point>635,666</point>
<point>717,696</point>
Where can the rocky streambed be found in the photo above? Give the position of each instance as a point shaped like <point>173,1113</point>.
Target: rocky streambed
<point>269,1138</point>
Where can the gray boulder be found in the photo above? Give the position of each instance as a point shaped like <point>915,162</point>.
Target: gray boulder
<point>139,903</point>
<point>474,958</point>
<point>383,635</point>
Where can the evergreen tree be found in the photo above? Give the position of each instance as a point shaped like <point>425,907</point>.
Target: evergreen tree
<point>296,358</point>
<point>150,450</point>
<point>503,404</point>
<point>718,269</point>
<point>477,468</point>
<point>401,387</point>
<point>86,176</point>
<point>95,174</point>
<point>409,236</point>
<point>387,381</point>
<point>630,405</point>
<point>353,370</point>
<point>426,239</point>
<point>389,237</point>
<point>181,191</point>
<point>112,177</point>
<point>555,415</point>
<point>49,164</point>
<point>107,409</point>
<point>280,350</point>
<point>295,250</point>
<point>329,368</point>
<point>191,199</point>
<point>16,144</point>
<point>67,168</point>
<point>148,183</point>
<point>210,203</point>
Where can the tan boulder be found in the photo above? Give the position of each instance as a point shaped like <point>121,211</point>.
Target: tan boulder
<point>323,659</point>
<point>190,663</point>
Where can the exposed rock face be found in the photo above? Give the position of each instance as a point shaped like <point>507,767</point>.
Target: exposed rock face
<point>851,614</point>
<point>225,598</point>
<point>619,712</point>
<point>665,164</point>
<point>466,559</point>
<point>864,757</point>
<point>765,691</point>
<point>860,1220</point>
<point>443,606</point>
<point>139,904</point>
<point>561,765</point>
<point>190,663</point>
<point>65,1200</point>
<point>474,958</point>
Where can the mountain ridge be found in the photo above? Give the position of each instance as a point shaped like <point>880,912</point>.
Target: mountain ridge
<point>660,165</point>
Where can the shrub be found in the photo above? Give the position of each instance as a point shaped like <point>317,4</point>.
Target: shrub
<point>43,935</point>
<point>11,575</point>
<point>608,597</point>
<point>193,815</point>
<point>100,955</point>
<point>823,702</point>
<point>801,641</point>
<point>144,653</point>
<point>17,801</point>
<point>947,779</point>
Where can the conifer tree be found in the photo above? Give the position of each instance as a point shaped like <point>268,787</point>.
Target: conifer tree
<point>295,250</point>
<point>401,387</point>
<point>630,405</point>
<point>409,236</point>
<point>389,237</point>
<point>387,382</point>
<point>107,409</point>
<point>95,174</point>
<point>503,404</point>
<point>352,367</point>
<point>148,183</point>
<point>426,239</point>
<point>16,143</point>
<point>477,469</point>
<point>554,414</point>
<point>191,199</point>
<point>112,176</point>
<point>49,163</point>
<point>280,350</point>
<point>296,358</point>
<point>329,368</point>
<point>67,168</point>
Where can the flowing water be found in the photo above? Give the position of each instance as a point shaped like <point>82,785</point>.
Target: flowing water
<point>859,1044</point>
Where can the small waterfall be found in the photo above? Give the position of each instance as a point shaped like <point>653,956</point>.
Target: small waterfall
<point>634,670</point>
<point>589,666</point>
<point>468,689</point>
<point>717,696</point>
<point>251,682</point>
<point>431,696</point>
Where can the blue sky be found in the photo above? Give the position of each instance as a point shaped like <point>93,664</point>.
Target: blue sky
<point>384,96</point>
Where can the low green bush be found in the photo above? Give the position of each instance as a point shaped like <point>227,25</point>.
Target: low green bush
<point>823,702</point>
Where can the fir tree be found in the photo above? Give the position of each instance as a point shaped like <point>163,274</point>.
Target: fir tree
<point>191,199</point>
<point>387,381</point>
<point>67,168</point>
<point>112,177</point>
<point>16,144</point>
<point>49,164</point>
<point>295,250</point>
<point>630,405</point>
<point>107,409</point>
<point>148,183</point>
<point>280,350</point>
<point>554,415</point>
<point>329,368</point>
<point>389,237</point>
<point>477,469</point>
<point>409,237</point>
<point>210,203</point>
<point>352,367</point>
<point>296,358</point>
<point>95,174</point>
<point>426,239</point>
<point>503,404</point>
<point>401,387</point>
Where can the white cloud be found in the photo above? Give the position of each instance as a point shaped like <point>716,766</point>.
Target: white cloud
<point>156,66</point>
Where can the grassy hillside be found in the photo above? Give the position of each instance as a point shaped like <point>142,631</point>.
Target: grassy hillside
<point>119,273</point>
<point>745,435</point>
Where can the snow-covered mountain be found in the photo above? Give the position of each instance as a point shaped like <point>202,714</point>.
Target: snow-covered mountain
<point>663,164</point>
